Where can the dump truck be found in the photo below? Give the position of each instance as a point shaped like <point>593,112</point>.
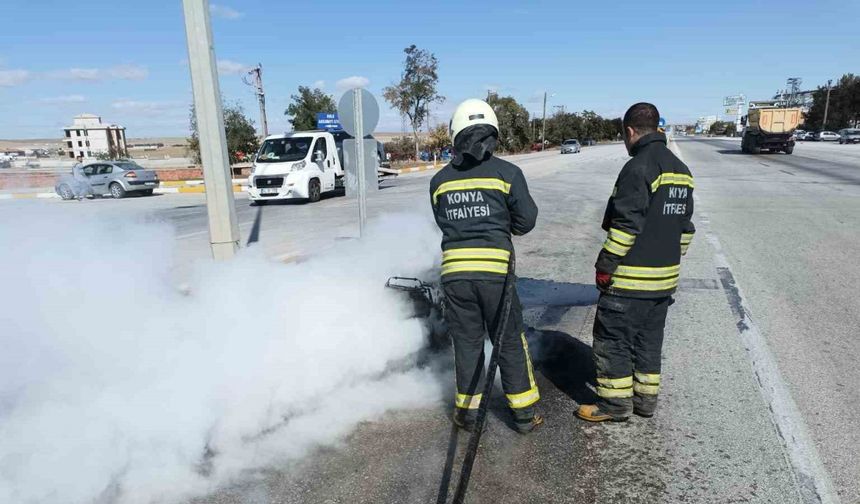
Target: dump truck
<point>770,129</point>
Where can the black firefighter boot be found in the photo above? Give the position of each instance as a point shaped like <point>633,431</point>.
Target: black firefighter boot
<point>526,420</point>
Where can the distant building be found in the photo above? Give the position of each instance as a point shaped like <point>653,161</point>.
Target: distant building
<point>704,123</point>
<point>87,137</point>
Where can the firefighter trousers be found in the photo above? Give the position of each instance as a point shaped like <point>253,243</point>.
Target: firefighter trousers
<point>473,310</point>
<point>628,341</point>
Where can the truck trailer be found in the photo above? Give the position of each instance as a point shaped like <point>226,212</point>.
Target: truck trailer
<point>770,129</point>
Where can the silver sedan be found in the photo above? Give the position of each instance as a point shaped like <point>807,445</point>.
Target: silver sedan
<point>108,178</point>
<point>570,146</point>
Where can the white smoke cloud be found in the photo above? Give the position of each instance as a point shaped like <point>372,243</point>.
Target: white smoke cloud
<point>9,78</point>
<point>224,12</point>
<point>122,72</point>
<point>113,384</point>
<point>63,100</point>
<point>230,67</point>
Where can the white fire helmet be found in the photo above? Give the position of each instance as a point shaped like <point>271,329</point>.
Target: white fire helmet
<point>470,113</point>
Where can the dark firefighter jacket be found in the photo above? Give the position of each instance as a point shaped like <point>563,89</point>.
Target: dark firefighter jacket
<point>647,221</point>
<point>478,203</point>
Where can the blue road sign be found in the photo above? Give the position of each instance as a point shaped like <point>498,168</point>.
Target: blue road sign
<point>328,122</point>
<point>662,123</point>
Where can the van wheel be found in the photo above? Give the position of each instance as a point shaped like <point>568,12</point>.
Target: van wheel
<point>314,191</point>
<point>117,191</point>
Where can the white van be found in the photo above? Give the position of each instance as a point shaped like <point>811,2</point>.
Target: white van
<point>299,165</point>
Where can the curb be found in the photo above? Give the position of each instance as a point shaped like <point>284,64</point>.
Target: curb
<point>419,169</point>
<point>197,188</point>
<point>46,195</point>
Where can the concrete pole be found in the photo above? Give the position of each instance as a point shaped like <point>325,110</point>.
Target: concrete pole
<point>826,105</point>
<point>543,126</point>
<point>223,226</point>
<point>261,97</point>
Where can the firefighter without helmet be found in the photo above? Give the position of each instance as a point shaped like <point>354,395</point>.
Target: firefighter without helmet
<point>470,113</point>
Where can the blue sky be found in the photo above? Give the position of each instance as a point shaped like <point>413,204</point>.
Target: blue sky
<point>126,60</point>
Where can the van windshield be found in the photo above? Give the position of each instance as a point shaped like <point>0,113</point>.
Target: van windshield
<point>278,150</point>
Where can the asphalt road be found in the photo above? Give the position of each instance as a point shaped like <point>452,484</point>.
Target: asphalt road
<point>788,227</point>
<point>781,228</point>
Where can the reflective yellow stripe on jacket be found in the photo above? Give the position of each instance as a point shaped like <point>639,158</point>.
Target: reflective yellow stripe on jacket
<point>686,239</point>
<point>645,278</point>
<point>619,242</point>
<point>672,179</point>
<point>493,184</point>
<point>486,260</point>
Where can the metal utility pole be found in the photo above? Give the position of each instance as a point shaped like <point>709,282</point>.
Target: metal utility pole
<point>793,84</point>
<point>560,108</point>
<point>257,74</point>
<point>217,176</point>
<point>359,157</point>
<point>826,104</point>
<point>543,127</point>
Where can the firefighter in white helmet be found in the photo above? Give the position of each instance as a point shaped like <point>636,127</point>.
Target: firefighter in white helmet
<point>479,200</point>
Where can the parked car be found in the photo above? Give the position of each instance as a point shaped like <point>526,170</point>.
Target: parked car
<point>570,146</point>
<point>849,135</point>
<point>110,178</point>
<point>804,135</point>
<point>826,136</point>
<point>588,142</point>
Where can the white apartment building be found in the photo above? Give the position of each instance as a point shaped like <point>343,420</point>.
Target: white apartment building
<point>87,136</point>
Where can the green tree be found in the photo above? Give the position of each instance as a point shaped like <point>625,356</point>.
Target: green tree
<point>731,128</point>
<point>305,106</point>
<point>242,141</point>
<point>721,128</point>
<point>439,137</point>
<point>583,125</point>
<point>844,108</point>
<point>400,148</point>
<point>416,91</point>
<point>513,123</point>
<point>562,126</point>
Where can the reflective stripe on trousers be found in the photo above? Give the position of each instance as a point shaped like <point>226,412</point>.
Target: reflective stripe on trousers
<point>615,387</point>
<point>646,383</point>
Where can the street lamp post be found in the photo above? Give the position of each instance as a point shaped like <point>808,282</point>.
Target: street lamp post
<point>543,125</point>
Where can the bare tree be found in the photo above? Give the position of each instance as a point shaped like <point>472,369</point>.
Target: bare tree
<point>416,91</point>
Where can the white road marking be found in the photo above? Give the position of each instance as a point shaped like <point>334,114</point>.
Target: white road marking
<point>810,475</point>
